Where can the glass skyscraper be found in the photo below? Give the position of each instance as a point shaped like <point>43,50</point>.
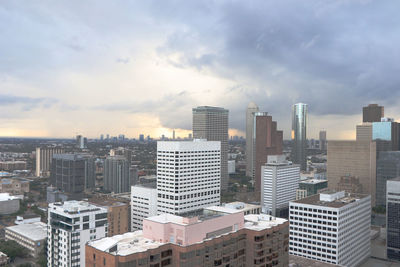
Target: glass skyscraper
<point>299,134</point>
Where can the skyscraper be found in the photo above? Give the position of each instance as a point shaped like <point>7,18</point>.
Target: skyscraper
<point>211,123</point>
<point>299,134</point>
<point>44,157</point>
<point>267,141</point>
<point>251,109</point>
<point>393,222</point>
<point>322,140</point>
<point>373,113</point>
<point>116,174</point>
<point>188,175</point>
<point>387,167</point>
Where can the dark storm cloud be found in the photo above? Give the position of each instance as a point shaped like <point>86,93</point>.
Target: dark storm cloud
<point>334,55</point>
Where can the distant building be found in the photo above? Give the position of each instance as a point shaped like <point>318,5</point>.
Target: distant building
<point>12,165</point>
<point>141,137</point>
<point>55,195</point>
<point>143,204</point>
<point>217,237</point>
<point>211,123</point>
<point>251,109</point>
<point>312,186</point>
<point>116,174</point>
<point>387,130</point>
<point>322,140</point>
<point>387,168</point>
<point>301,193</point>
<point>31,236</point>
<point>373,113</point>
<point>8,204</point>
<point>81,142</point>
<point>15,186</point>
<point>231,166</point>
<point>364,132</point>
<point>44,157</point>
<point>299,134</point>
<point>332,227</point>
<point>393,219</point>
<point>279,183</point>
<point>73,173</point>
<point>188,175</point>
<point>27,219</point>
<point>70,226</point>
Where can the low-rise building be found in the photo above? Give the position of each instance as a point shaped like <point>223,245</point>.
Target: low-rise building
<point>245,207</point>
<point>312,186</point>
<point>213,238</point>
<point>14,185</point>
<point>8,204</point>
<point>27,219</point>
<point>12,165</point>
<point>31,236</point>
<point>143,204</point>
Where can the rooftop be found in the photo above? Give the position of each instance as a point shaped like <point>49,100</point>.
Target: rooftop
<point>258,222</point>
<point>313,181</point>
<point>331,199</point>
<point>74,206</point>
<point>34,231</point>
<point>6,196</point>
<point>397,179</point>
<point>296,261</point>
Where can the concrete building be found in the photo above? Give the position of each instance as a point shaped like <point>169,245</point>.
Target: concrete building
<point>214,238</point>
<point>16,186</point>
<point>373,113</point>
<point>70,226</point>
<point>4,259</point>
<point>188,175</point>
<point>267,141</point>
<point>143,204</point>
<point>55,195</point>
<point>27,219</point>
<point>251,109</point>
<point>73,173</point>
<point>299,134</point>
<point>301,193</point>
<point>31,236</point>
<point>332,227</point>
<point>12,165</point>
<point>81,142</point>
<point>388,130</point>
<point>352,159</point>
<point>44,157</point>
<point>8,204</point>
<point>387,168</point>
<point>364,132</point>
<point>116,174</point>
<point>393,219</point>
<point>312,186</point>
<point>322,140</point>
<point>279,183</point>
<point>211,123</point>
<point>231,166</point>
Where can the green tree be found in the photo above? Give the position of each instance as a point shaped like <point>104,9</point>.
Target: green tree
<point>12,249</point>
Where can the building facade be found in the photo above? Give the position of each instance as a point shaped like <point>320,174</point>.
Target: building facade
<point>312,186</point>
<point>387,168</point>
<point>322,140</point>
<point>215,239</point>
<point>188,175</point>
<point>393,219</point>
<point>15,186</point>
<point>44,157</point>
<point>143,204</point>
<point>31,236</point>
<point>373,113</point>
<point>279,184</point>
<point>71,225</point>
<point>299,134</point>
<point>332,227</point>
<point>73,173</point>
<point>13,165</point>
<point>251,109</point>
<point>212,124</point>
<point>116,174</point>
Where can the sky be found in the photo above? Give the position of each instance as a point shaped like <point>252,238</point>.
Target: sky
<point>129,67</point>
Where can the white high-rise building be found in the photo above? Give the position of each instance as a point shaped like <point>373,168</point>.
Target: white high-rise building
<point>44,157</point>
<point>143,204</point>
<point>251,109</point>
<point>331,227</point>
<point>71,225</point>
<point>280,180</point>
<point>188,175</point>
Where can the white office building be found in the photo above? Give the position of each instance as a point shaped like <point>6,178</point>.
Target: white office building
<point>280,180</point>
<point>188,175</point>
<point>143,204</point>
<point>332,227</point>
<point>71,225</point>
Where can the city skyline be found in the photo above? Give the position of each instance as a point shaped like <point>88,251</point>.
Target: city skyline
<point>68,70</point>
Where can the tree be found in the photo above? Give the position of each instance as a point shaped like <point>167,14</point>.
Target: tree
<point>12,249</point>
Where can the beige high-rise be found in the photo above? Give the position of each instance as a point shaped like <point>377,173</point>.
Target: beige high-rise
<point>364,132</point>
<point>44,157</point>
<point>352,159</point>
<point>251,109</point>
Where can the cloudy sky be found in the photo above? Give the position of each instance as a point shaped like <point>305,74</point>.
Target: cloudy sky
<point>131,67</point>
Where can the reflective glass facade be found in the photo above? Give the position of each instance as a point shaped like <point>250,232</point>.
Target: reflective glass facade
<point>382,130</point>
<point>299,134</point>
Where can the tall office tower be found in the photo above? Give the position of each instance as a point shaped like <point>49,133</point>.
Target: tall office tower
<point>143,204</point>
<point>267,141</point>
<point>188,175</point>
<point>373,113</point>
<point>44,157</point>
<point>280,180</point>
<point>387,130</point>
<point>364,132</point>
<point>101,137</point>
<point>141,137</point>
<point>122,151</point>
<point>73,173</point>
<point>116,174</point>
<point>211,123</point>
<point>251,109</point>
<point>71,225</point>
<point>387,167</point>
<point>392,219</point>
<point>81,141</point>
<point>173,134</point>
<point>299,134</point>
<point>353,159</point>
<point>332,227</point>
<point>322,140</point>
<point>218,237</point>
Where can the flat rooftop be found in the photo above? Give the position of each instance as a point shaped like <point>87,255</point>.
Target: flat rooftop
<point>258,222</point>
<point>313,181</point>
<point>336,203</point>
<point>296,261</point>
<point>74,206</point>
<point>34,231</point>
